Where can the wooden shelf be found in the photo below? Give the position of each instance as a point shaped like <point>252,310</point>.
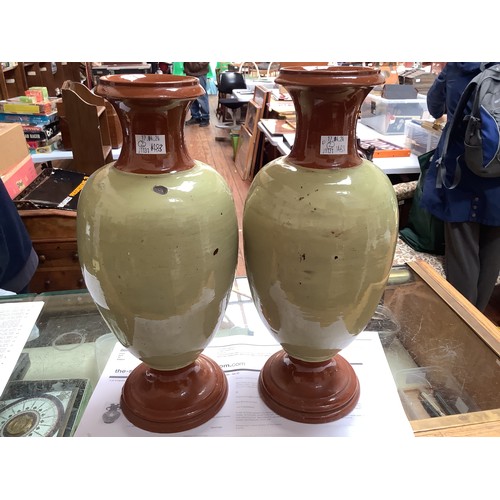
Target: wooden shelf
<point>12,81</point>
<point>113,123</point>
<point>40,74</point>
<point>87,123</point>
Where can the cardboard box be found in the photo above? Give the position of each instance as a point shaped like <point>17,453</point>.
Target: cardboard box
<point>33,144</point>
<point>37,147</point>
<point>20,176</point>
<point>35,95</point>
<point>41,93</point>
<point>41,132</point>
<point>13,146</point>
<point>15,105</point>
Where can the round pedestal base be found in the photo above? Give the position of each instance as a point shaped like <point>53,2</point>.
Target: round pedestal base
<point>308,392</point>
<point>176,400</point>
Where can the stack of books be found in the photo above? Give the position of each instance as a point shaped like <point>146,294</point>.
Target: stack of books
<point>37,114</point>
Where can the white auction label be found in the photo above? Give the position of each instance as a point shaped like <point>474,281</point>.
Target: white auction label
<point>150,144</point>
<point>333,145</point>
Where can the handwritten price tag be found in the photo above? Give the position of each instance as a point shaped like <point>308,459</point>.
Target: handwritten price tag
<point>333,145</point>
<point>150,144</point>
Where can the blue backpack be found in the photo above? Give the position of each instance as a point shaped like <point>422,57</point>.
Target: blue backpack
<point>482,128</point>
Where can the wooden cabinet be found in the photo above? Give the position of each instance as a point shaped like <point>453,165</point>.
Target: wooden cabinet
<point>53,233</point>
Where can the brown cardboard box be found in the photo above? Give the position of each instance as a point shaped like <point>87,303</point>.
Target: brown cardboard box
<point>13,146</point>
<point>20,176</point>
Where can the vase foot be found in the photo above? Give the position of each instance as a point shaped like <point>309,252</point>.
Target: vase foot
<point>175,400</point>
<point>309,392</point>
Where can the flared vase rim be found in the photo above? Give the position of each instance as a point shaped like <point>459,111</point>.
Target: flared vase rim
<point>328,76</point>
<point>149,86</point>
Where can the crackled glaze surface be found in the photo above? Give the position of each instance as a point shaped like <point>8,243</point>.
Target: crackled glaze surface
<point>158,245</point>
<point>319,230</point>
<point>158,254</point>
<point>320,225</point>
<point>319,247</point>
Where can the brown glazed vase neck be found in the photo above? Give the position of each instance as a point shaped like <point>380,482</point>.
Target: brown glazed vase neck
<point>152,109</point>
<point>327,100</point>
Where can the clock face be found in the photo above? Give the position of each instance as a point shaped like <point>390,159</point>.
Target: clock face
<point>31,416</point>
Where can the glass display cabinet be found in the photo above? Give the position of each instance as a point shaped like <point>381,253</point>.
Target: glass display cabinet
<point>443,353</point>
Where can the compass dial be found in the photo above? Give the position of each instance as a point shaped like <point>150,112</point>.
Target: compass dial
<point>31,416</point>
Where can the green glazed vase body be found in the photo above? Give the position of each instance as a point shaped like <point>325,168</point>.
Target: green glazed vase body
<point>320,231</point>
<point>158,242</point>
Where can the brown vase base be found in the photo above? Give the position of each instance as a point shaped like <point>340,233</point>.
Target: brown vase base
<point>174,401</point>
<point>309,392</point>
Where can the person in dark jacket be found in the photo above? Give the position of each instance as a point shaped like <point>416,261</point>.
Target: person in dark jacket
<point>18,259</point>
<point>200,111</point>
<point>470,211</point>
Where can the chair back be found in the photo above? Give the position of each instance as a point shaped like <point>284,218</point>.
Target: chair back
<point>230,80</point>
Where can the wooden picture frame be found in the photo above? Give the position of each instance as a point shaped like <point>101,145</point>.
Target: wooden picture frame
<point>260,95</point>
<point>250,140</point>
<point>245,153</point>
<point>254,114</point>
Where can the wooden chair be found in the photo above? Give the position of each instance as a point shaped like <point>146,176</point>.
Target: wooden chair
<point>272,69</point>
<point>229,81</point>
<point>250,69</point>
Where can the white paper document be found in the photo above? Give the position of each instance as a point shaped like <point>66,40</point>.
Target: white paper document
<point>17,320</point>
<point>378,413</point>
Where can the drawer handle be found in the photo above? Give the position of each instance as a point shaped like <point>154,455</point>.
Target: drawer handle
<point>75,257</point>
<point>42,258</point>
<point>47,284</point>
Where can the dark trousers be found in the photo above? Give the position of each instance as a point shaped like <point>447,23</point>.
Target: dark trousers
<point>200,107</point>
<point>472,260</point>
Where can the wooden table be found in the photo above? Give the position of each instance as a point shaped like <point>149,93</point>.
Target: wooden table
<point>396,165</point>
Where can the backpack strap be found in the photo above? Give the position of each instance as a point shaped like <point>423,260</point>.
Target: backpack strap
<point>474,119</point>
<point>457,119</point>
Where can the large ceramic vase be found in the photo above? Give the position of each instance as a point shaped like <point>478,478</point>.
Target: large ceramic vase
<point>320,230</point>
<point>158,243</point>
